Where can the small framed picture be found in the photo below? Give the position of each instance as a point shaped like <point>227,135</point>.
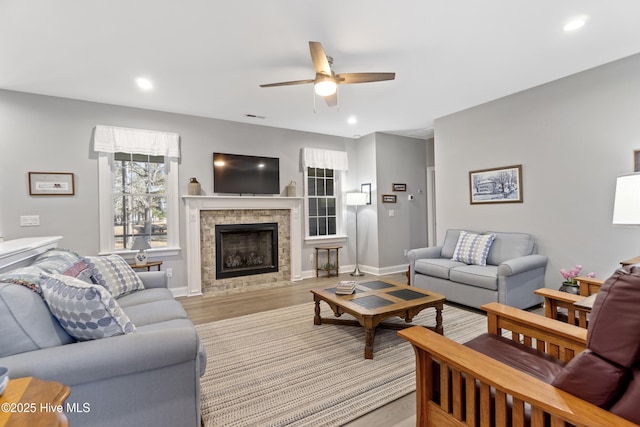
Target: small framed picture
<point>366,189</point>
<point>51,184</point>
<point>399,187</point>
<point>389,198</point>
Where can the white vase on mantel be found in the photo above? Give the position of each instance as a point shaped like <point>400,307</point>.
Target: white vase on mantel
<point>291,189</point>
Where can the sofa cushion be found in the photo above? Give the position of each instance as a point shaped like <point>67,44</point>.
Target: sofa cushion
<point>473,248</point>
<point>154,312</point>
<point>450,242</point>
<point>113,272</point>
<point>614,326</point>
<point>144,296</point>
<point>627,405</point>
<point>436,267</point>
<point>525,359</point>
<point>27,323</point>
<point>475,275</point>
<point>508,246</point>
<point>591,378</point>
<point>86,311</point>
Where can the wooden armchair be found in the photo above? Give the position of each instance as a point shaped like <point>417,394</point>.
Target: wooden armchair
<point>476,390</point>
<point>561,305</point>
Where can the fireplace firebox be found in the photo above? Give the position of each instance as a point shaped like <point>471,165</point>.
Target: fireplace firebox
<point>246,249</point>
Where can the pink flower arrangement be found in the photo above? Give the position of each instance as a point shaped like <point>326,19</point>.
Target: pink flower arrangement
<point>570,276</point>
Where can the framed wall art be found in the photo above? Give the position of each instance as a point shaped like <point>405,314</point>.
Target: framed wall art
<point>389,198</point>
<point>51,184</point>
<point>399,187</point>
<point>366,189</point>
<point>497,185</point>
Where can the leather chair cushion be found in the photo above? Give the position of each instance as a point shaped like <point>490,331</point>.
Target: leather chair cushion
<point>591,378</point>
<point>616,310</point>
<point>518,356</point>
<point>628,405</point>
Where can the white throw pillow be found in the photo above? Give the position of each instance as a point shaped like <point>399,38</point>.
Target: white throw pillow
<point>473,248</point>
<point>113,272</point>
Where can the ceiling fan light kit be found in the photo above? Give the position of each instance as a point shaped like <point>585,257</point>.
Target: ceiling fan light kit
<point>326,82</point>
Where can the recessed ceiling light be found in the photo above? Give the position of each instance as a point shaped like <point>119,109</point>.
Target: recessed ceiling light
<point>352,120</point>
<point>576,23</point>
<point>144,83</point>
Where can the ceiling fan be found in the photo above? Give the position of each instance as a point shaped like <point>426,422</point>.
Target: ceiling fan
<point>326,81</point>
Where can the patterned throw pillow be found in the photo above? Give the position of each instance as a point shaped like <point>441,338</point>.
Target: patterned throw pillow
<point>63,261</point>
<point>473,248</point>
<point>86,311</point>
<point>113,272</point>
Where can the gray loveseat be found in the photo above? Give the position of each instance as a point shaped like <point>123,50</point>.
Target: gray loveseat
<point>512,272</point>
<point>150,377</point>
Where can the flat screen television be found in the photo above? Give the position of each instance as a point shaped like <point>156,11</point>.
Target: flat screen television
<point>240,174</point>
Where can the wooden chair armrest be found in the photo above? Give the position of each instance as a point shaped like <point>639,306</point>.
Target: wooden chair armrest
<point>553,300</point>
<point>589,285</point>
<point>558,295</point>
<point>461,369</point>
<point>561,340</point>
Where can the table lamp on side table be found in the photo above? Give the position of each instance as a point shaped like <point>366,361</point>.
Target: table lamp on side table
<point>356,199</point>
<point>141,245</point>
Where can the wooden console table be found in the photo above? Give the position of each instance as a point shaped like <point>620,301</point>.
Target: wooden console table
<point>30,401</point>
<point>328,269</point>
<point>147,265</point>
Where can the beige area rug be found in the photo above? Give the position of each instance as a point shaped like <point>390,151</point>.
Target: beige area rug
<point>277,368</point>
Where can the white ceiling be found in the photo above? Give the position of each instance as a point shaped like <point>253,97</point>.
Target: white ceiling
<point>207,58</point>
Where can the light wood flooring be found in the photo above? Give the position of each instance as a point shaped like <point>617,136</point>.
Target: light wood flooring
<point>205,309</point>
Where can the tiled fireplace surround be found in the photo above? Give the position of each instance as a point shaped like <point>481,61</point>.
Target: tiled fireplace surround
<point>204,212</point>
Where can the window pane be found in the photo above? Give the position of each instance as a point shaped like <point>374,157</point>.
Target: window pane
<point>311,171</point>
<point>320,173</point>
<point>313,207</point>
<point>331,206</point>
<point>330,187</point>
<point>322,227</point>
<point>329,172</point>
<point>311,186</point>
<point>320,187</point>
<point>313,227</point>
<point>332,225</point>
<point>322,207</point>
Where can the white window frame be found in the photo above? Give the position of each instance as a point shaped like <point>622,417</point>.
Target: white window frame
<point>341,235</point>
<point>106,170</point>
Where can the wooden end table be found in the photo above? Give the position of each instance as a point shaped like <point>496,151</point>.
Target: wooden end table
<point>328,269</point>
<point>30,401</point>
<point>148,265</point>
<point>374,302</point>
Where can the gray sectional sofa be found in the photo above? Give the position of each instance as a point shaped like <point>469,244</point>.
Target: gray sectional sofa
<point>147,374</point>
<point>512,272</point>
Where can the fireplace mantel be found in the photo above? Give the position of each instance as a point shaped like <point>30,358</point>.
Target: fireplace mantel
<point>195,204</point>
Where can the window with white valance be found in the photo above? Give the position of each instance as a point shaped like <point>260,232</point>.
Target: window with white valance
<point>138,188</point>
<point>324,175</point>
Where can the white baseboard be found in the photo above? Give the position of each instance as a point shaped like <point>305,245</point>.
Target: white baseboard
<point>402,268</point>
<point>182,291</point>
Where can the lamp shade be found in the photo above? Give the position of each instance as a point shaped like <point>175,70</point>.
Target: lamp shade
<point>356,199</point>
<point>140,244</point>
<point>626,207</point>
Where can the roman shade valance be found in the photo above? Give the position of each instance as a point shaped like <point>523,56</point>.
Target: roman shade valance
<point>325,159</point>
<point>110,139</point>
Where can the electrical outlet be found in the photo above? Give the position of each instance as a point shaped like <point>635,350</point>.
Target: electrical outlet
<point>392,212</point>
<point>405,252</point>
<point>29,220</point>
<point>169,273</point>
<point>311,258</point>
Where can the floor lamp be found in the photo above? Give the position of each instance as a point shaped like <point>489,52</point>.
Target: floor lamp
<point>356,199</point>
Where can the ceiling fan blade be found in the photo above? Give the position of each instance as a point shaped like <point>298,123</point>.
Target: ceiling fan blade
<point>295,82</point>
<point>319,58</point>
<point>332,100</point>
<point>350,78</point>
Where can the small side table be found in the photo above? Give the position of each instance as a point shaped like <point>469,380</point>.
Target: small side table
<point>329,269</point>
<point>147,265</point>
<point>32,395</point>
<point>634,260</point>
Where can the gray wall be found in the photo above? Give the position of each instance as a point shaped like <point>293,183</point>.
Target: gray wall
<point>572,137</point>
<point>49,134</point>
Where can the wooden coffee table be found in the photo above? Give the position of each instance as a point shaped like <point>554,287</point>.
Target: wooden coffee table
<point>30,401</point>
<point>374,302</point>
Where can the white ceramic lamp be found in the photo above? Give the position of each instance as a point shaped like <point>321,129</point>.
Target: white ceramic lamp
<point>356,199</point>
<point>141,245</point>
